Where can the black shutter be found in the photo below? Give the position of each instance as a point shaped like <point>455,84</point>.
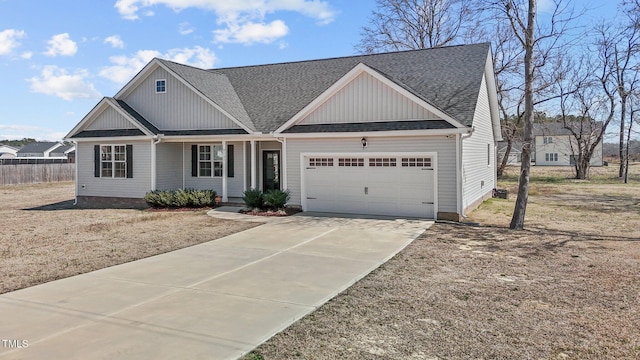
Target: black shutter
<point>96,160</point>
<point>129,161</point>
<point>194,160</point>
<point>230,158</point>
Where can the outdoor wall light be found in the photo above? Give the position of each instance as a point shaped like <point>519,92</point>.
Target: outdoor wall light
<point>364,142</point>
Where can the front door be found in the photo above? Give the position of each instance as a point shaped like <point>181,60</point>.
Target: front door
<point>270,170</point>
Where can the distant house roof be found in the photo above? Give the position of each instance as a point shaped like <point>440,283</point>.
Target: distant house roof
<point>264,97</point>
<point>36,148</point>
<point>558,129</point>
<point>62,150</point>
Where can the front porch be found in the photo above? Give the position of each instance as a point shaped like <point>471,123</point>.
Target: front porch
<point>229,166</point>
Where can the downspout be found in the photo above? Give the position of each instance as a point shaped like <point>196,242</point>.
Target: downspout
<point>284,162</point>
<point>158,139</point>
<point>459,153</point>
<point>75,202</point>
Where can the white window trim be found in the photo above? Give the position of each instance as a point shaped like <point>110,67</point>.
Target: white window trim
<point>212,161</point>
<point>156,86</point>
<point>113,161</point>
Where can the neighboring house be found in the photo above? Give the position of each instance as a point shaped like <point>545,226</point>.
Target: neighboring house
<point>515,154</point>
<point>8,152</point>
<point>555,145</point>
<point>44,150</point>
<point>408,133</point>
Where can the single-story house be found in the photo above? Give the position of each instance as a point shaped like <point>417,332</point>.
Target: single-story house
<point>409,133</point>
<point>556,146</point>
<point>45,150</point>
<point>8,152</point>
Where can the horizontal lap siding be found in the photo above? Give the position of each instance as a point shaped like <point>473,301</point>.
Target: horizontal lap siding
<point>474,153</point>
<point>235,185</point>
<point>179,108</point>
<point>561,146</point>
<point>445,149</point>
<point>135,187</point>
<point>110,119</point>
<point>169,166</point>
<point>367,99</point>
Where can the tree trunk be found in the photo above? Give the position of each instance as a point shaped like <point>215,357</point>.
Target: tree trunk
<point>517,220</point>
<point>505,158</point>
<point>623,101</point>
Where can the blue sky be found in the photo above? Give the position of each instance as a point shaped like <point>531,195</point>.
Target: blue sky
<point>59,58</point>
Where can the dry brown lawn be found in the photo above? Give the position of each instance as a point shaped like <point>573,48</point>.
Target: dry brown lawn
<point>43,237</point>
<point>567,287</point>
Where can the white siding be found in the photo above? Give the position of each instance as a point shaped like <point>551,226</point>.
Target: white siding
<point>561,145</point>
<point>235,184</point>
<point>110,119</point>
<point>169,166</point>
<point>136,187</point>
<point>367,99</point>
<point>478,166</point>
<point>179,108</point>
<point>445,148</point>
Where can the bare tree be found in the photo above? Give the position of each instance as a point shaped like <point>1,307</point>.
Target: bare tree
<point>539,46</point>
<point>415,24</point>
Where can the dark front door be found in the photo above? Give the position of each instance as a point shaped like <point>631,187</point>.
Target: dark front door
<point>271,170</point>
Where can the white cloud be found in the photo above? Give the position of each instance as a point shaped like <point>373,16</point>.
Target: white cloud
<point>58,82</point>
<point>26,55</point>
<point>115,41</point>
<point>9,40</point>
<point>61,44</point>
<point>249,33</point>
<point>242,20</point>
<point>185,28</point>
<point>16,132</point>
<point>124,68</point>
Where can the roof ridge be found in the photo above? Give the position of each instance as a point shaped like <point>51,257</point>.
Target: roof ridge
<point>346,57</point>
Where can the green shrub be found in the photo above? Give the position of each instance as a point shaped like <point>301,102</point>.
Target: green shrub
<point>253,198</point>
<point>180,198</point>
<point>276,199</point>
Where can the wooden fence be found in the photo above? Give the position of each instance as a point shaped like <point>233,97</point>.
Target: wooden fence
<point>36,173</point>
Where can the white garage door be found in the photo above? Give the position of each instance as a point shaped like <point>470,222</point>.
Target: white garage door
<point>387,184</point>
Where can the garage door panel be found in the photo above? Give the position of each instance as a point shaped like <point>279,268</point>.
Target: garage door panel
<point>382,186</point>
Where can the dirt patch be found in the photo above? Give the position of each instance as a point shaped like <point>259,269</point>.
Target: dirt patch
<point>566,287</point>
<point>44,237</point>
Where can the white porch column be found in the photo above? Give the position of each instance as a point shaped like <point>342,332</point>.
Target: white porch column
<point>153,165</point>
<point>244,166</point>
<point>253,165</point>
<point>283,162</point>
<point>225,198</point>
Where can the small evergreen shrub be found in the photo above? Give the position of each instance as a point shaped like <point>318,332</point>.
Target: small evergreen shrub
<point>180,198</point>
<point>276,199</point>
<point>253,198</point>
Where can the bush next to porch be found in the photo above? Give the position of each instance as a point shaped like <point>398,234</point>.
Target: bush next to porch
<point>180,198</point>
<point>272,199</point>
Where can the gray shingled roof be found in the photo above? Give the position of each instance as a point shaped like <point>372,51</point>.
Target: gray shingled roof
<point>60,150</point>
<point>371,126</point>
<point>36,147</point>
<point>448,78</point>
<point>214,86</point>
<point>558,128</point>
<point>139,118</point>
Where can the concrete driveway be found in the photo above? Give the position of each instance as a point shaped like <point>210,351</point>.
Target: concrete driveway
<point>216,300</point>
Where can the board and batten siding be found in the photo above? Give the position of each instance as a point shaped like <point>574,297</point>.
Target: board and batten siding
<point>110,119</point>
<point>478,153</point>
<point>445,148</point>
<point>235,184</point>
<point>367,99</point>
<point>179,108</point>
<point>136,187</point>
<point>169,166</point>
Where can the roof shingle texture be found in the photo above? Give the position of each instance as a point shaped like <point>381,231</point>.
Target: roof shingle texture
<point>264,97</point>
